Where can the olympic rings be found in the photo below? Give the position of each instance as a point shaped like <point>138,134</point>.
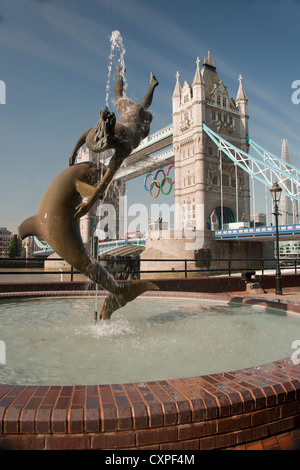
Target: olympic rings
<point>159,186</point>
<point>150,187</point>
<point>167,174</point>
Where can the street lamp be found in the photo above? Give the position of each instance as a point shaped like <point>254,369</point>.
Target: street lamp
<point>276,193</point>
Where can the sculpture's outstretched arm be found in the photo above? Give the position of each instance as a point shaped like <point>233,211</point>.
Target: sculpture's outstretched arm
<point>79,144</point>
<point>115,162</point>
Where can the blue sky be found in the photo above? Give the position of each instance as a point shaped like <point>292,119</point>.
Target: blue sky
<point>54,62</point>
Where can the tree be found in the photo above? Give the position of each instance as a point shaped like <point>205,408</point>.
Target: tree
<point>12,249</point>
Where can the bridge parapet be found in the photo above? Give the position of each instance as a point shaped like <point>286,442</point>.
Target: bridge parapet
<point>155,137</point>
<point>284,231</point>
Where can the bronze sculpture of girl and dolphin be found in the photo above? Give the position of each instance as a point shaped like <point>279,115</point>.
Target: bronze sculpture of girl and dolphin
<point>74,191</point>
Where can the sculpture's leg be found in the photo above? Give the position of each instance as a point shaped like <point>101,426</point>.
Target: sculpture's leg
<point>147,100</point>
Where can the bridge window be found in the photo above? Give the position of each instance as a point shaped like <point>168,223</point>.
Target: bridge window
<point>224,102</point>
<point>213,116</point>
<point>218,100</point>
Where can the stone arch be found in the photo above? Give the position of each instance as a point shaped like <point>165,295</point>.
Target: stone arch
<point>228,215</point>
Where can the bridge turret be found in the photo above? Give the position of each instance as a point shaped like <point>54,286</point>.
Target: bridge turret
<point>198,84</point>
<point>198,87</point>
<point>242,105</point>
<point>176,98</point>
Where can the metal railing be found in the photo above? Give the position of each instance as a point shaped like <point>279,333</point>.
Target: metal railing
<point>132,266</point>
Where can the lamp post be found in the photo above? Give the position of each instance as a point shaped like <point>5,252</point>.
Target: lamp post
<point>276,193</point>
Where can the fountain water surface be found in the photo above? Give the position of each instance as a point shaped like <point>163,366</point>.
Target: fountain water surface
<point>55,341</point>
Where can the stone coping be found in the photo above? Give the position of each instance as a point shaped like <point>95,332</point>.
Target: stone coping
<point>216,411</point>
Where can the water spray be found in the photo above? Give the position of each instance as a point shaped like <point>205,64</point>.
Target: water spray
<point>117,53</point>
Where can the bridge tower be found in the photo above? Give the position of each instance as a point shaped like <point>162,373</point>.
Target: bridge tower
<point>208,185</point>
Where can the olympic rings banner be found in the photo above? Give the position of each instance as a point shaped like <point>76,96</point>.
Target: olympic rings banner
<point>160,186</point>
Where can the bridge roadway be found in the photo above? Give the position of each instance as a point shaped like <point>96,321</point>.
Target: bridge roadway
<point>121,247</point>
<point>158,150</point>
<point>286,232</point>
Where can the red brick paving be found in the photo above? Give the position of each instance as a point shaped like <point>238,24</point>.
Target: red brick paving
<point>287,441</point>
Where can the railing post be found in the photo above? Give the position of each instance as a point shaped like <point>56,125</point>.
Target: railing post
<point>262,265</point>
<point>185,268</point>
<point>229,267</point>
<point>72,273</point>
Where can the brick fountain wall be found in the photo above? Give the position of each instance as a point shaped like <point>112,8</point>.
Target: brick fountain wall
<point>216,411</point>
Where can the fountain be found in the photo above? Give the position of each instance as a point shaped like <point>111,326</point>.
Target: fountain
<point>75,190</point>
<point>59,344</point>
<point>192,403</point>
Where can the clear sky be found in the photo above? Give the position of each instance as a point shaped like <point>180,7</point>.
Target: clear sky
<point>54,62</point>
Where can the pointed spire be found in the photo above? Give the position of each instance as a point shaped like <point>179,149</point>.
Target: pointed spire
<point>285,154</point>
<point>241,95</point>
<point>198,77</point>
<point>177,89</point>
<point>208,61</point>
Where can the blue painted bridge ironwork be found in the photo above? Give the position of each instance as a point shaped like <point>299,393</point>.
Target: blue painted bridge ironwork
<point>259,233</point>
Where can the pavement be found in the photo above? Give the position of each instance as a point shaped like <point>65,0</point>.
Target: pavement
<point>290,294</point>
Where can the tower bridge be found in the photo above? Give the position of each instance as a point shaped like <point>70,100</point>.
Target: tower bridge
<point>209,145</point>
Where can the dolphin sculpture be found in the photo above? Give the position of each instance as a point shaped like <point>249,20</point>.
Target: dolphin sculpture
<point>56,222</point>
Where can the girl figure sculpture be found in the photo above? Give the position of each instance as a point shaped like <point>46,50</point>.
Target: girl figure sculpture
<point>123,136</point>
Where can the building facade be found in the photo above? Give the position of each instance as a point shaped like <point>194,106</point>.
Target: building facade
<point>207,183</point>
<point>5,238</point>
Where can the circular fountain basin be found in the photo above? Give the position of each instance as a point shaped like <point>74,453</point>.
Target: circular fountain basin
<point>56,341</point>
